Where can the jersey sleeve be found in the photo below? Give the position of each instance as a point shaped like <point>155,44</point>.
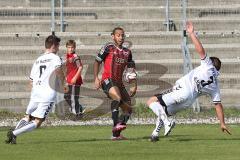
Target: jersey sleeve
<point>58,62</point>
<point>131,63</point>
<point>33,71</point>
<point>77,61</point>
<point>206,61</point>
<point>104,51</point>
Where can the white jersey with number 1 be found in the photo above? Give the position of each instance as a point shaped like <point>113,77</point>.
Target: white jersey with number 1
<point>40,75</point>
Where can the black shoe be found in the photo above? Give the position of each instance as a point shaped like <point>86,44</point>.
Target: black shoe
<point>11,138</point>
<point>154,138</point>
<point>78,116</point>
<point>115,133</point>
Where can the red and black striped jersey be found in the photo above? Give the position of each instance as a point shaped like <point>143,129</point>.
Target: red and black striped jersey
<point>115,61</point>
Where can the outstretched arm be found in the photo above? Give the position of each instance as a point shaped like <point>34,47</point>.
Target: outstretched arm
<point>198,46</point>
<point>220,115</point>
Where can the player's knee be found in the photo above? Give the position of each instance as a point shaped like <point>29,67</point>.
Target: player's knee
<point>67,96</point>
<point>28,118</point>
<point>151,100</point>
<point>118,98</point>
<point>39,121</point>
<point>126,107</point>
<point>114,93</point>
<point>115,97</point>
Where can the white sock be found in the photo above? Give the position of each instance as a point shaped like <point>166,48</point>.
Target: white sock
<point>21,123</point>
<point>29,127</point>
<point>159,125</point>
<point>159,111</point>
<point>155,108</point>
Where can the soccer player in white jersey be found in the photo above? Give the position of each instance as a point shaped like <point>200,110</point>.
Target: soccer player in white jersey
<point>199,81</point>
<point>42,95</point>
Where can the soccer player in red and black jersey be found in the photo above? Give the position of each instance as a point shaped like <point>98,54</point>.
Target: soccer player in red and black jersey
<point>73,77</point>
<point>116,58</point>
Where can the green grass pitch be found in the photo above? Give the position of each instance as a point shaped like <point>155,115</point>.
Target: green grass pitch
<point>186,142</point>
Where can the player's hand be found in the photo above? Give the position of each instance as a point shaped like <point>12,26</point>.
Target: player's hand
<point>65,89</point>
<point>73,81</point>
<point>225,129</point>
<point>30,85</point>
<point>189,27</point>
<point>97,83</point>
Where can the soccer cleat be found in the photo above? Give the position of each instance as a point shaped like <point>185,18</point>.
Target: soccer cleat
<point>119,127</point>
<point>159,125</point>
<point>79,116</point>
<point>119,138</point>
<point>122,137</point>
<point>154,138</point>
<point>83,110</point>
<point>168,128</point>
<point>14,140</point>
<point>11,138</point>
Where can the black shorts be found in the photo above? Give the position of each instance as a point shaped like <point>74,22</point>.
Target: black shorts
<point>109,83</point>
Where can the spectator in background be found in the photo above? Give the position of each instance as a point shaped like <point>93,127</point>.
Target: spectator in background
<point>73,78</point>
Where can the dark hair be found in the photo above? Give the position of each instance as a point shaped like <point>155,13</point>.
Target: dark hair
<point>52,40</point>
<point>115,29</point>
<point>216,63</point>
<point>71,43</point>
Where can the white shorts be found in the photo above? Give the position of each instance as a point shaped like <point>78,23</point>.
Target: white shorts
<point>175,99</point>
<point>39,109</point>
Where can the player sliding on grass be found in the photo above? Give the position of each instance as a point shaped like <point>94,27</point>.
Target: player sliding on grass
<point>42,95</point>
<point>199,81</point>
<point>116,58</point>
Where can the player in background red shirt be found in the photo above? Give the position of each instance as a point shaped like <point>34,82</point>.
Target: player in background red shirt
<point>73,77</point>
<point>116,59</point>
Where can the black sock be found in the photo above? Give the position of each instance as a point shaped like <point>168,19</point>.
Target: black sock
<point>115,111</point>
<point>116,134</point>
<point>124,118</point>
<point>78,107</point>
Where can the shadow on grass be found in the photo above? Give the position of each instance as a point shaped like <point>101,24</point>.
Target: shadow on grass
<point>205,139</point>
<point>89,140</point>
<point>108,139</point>
<point>186,138</point>
<point>172,138</point>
